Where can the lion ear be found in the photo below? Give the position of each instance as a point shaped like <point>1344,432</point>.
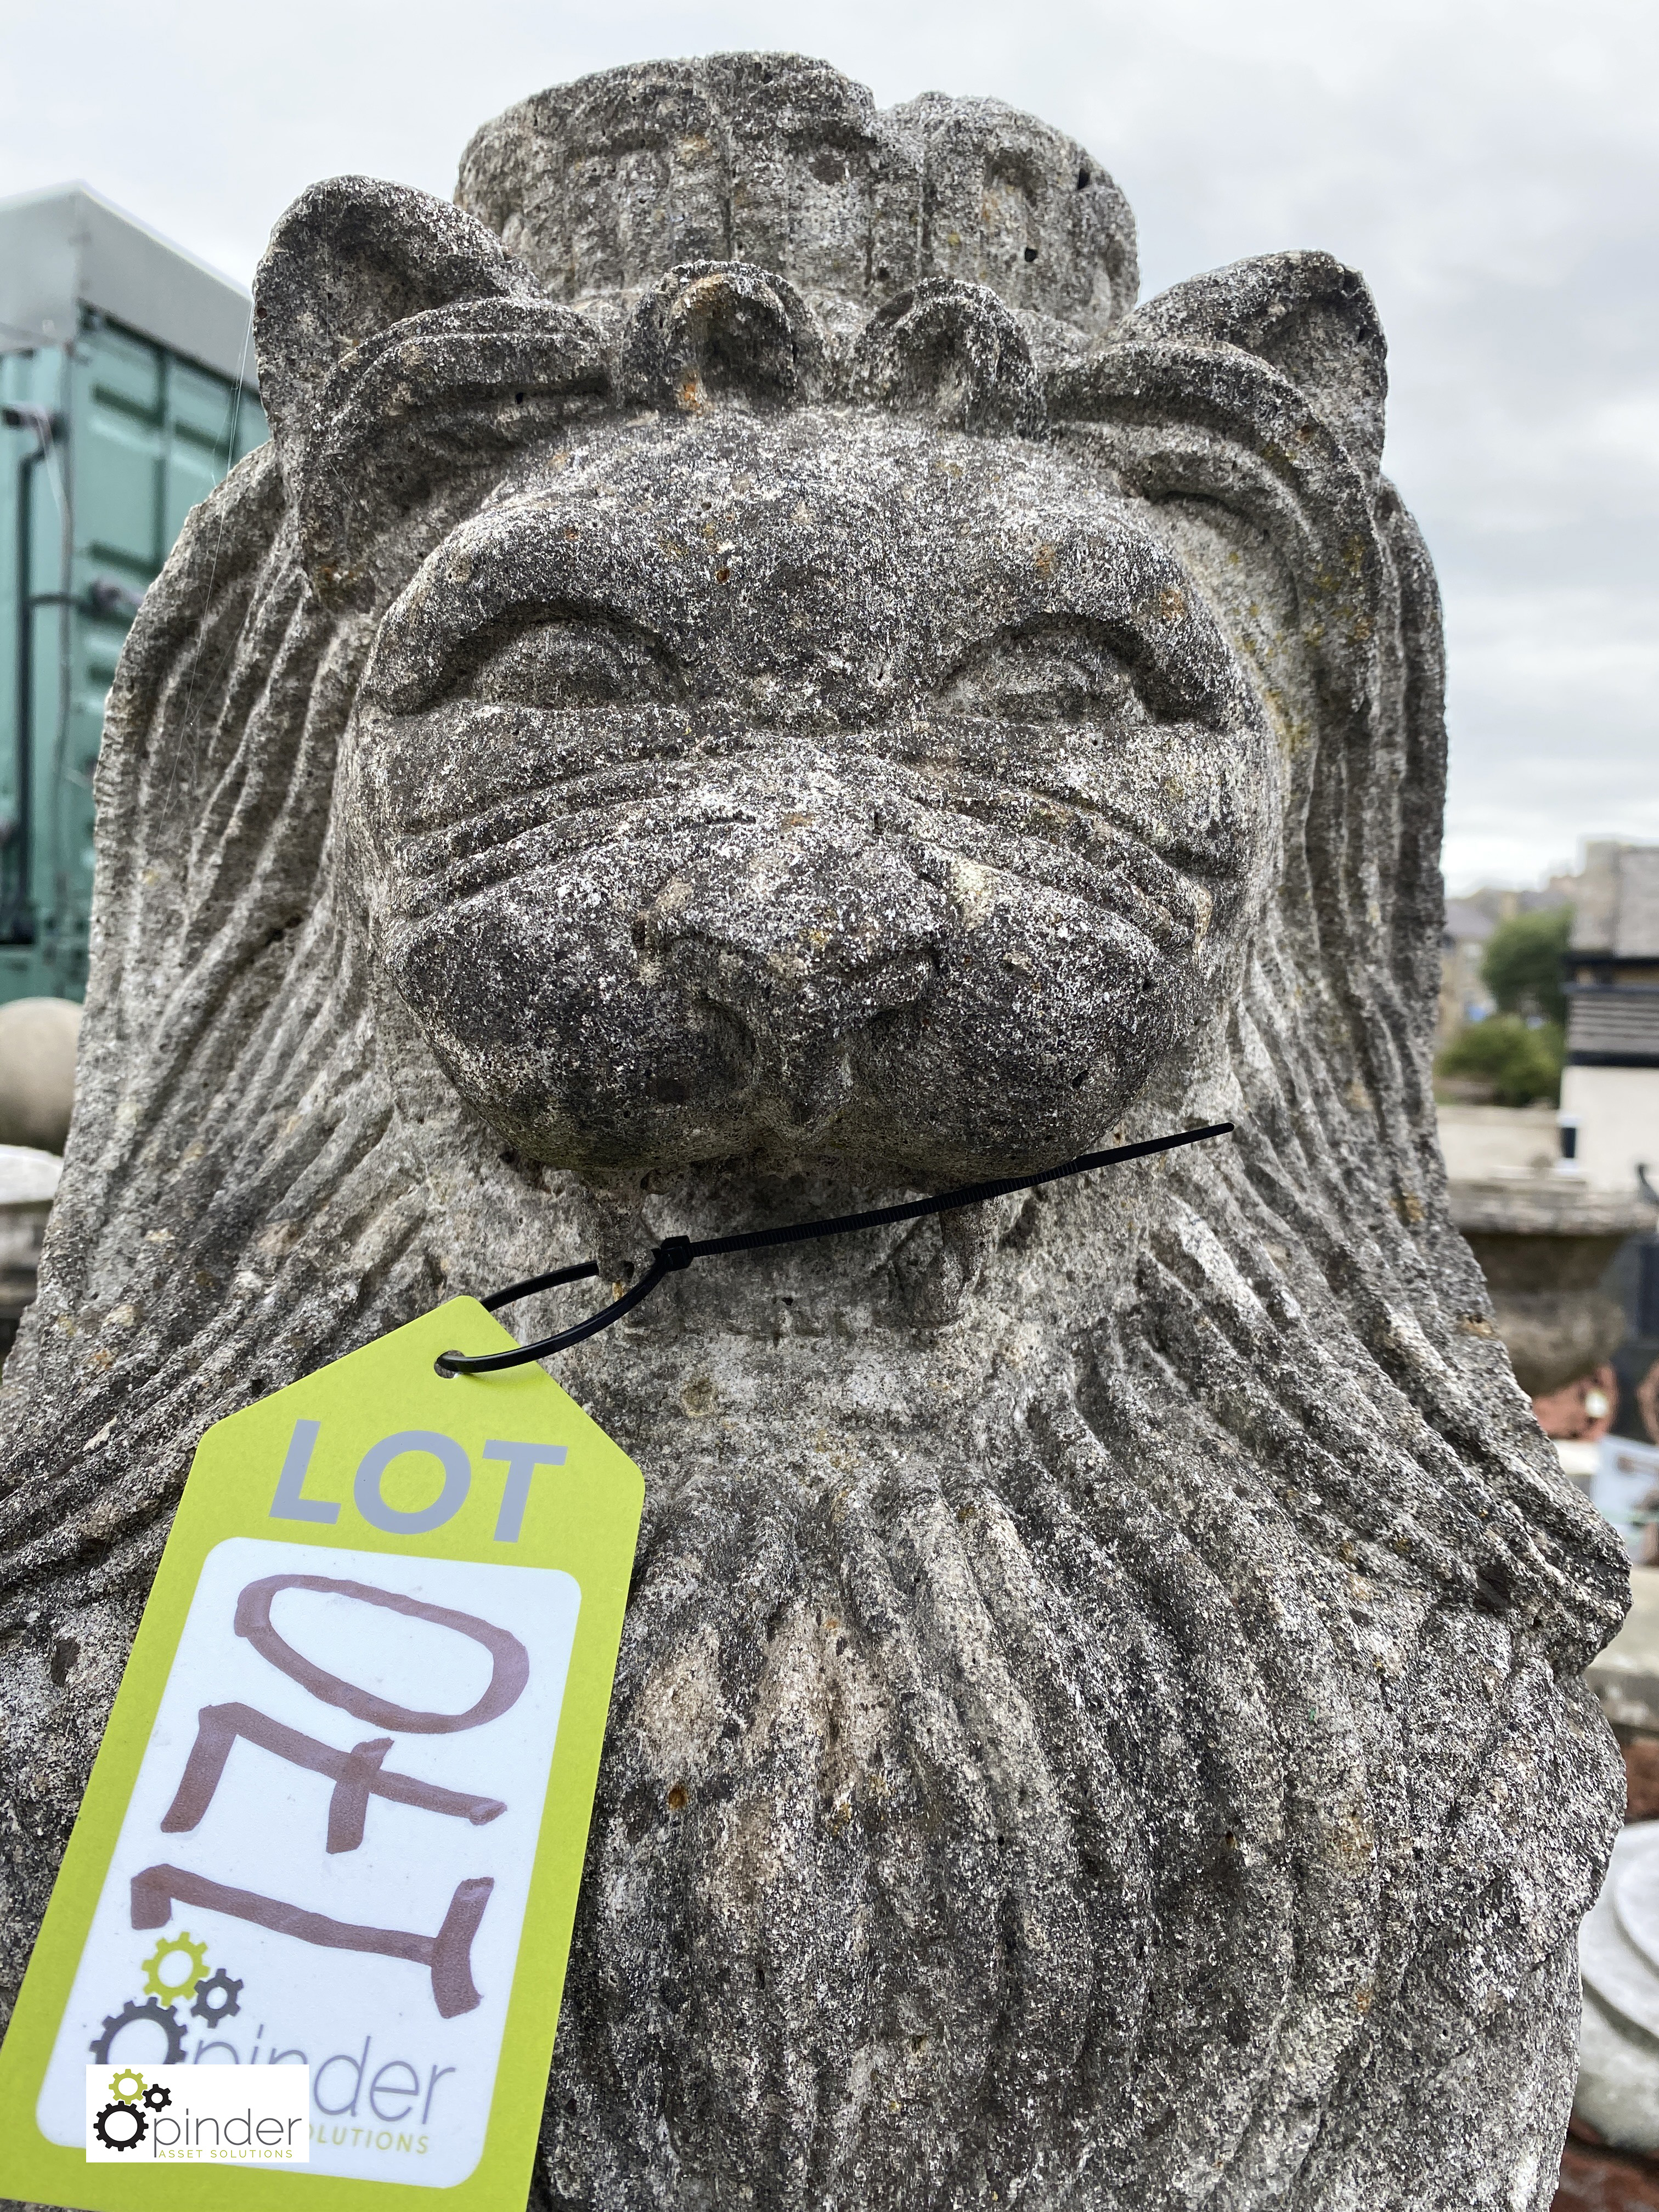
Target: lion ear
<point>402,352</point>
<point>351,258</point>
<point>1307,314</point>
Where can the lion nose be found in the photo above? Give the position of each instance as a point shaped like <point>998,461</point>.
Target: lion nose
<point>811,937</point>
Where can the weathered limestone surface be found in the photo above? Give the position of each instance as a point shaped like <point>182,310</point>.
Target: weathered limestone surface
<point>751,680</point>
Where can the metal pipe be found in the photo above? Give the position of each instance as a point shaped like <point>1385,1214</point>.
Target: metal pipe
<point>16,921</point>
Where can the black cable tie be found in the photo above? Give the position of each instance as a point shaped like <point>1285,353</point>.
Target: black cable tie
<point>674,1254</point>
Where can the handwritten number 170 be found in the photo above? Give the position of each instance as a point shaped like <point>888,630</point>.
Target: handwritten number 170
<point>358,1775</point>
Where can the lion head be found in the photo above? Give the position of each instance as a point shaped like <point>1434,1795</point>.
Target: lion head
<point>773,740</point>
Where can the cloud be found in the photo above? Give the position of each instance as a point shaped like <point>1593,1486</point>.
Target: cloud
<point>1491,165</point>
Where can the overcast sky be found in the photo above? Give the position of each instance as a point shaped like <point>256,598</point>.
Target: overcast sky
<point>1492,168</point>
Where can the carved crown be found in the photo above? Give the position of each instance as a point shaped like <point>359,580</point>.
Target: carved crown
<point>780,162</point>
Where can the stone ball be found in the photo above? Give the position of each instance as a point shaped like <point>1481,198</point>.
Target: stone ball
<point>37,1071</point>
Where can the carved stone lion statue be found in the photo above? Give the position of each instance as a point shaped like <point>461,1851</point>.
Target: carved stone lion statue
<point>752,680</point>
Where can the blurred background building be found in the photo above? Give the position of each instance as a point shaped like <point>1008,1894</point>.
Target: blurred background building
<point>1610,1088</point>
<point>127,389</point>
<point>1547,1090</point>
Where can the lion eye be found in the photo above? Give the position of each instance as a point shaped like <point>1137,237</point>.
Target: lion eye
<point>1070,670</point>
<point>1043,679</point>
<point>567,663</point>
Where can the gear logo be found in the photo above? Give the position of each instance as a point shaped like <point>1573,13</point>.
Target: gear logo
<point>120,2127</point>
<point>219,1998</point>
<point>131,2013</point>
<point>175,1972</point>
<point>173,1948</point>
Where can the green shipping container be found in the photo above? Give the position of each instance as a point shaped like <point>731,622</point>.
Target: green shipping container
<point>126,391</point>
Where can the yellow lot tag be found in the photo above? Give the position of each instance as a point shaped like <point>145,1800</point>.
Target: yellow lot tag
<point>340,1809</point>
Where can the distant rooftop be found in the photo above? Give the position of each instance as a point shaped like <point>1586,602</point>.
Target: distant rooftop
<point>1471,919</point>
<point>1614,1017</point>
<point>1618,907</point>
<point>67,249</point>
<point>1466,923</point>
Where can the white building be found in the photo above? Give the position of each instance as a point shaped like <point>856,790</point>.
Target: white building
<point>1610,1091</point>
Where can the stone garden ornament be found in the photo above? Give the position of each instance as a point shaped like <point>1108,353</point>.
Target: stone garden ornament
<point>752,680</point>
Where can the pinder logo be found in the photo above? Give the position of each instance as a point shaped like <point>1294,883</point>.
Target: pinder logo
<point>200,2115</point>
